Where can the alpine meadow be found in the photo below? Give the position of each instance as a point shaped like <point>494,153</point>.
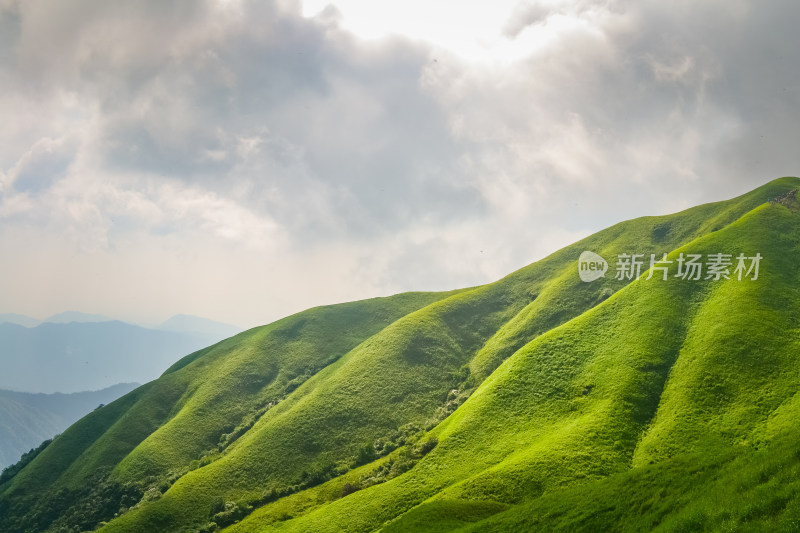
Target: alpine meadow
<point>539,402</point>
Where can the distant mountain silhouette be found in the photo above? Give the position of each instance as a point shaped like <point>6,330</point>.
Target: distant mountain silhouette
<point>76,316</point>
<point>28,419</point>
<point>79,356</point>
<point>22,320</point>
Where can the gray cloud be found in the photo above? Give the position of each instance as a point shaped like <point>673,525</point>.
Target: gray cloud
<point>642,101</point>
<point>260,150</point>
<point>257,100</point>
<point>46,162</point>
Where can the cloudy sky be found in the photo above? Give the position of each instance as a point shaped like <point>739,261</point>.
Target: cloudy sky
<point>243,160</point>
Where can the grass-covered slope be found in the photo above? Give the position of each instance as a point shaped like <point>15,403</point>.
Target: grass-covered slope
<point>336,419</point>
<point>701,373</point>
<point>161,430</point>
<point>736,489</point>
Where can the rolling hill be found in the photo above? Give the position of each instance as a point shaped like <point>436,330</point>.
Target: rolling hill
<point>537,402</point>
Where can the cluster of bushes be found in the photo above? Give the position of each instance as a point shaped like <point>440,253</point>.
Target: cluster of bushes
<point>385,445</point>
<point>453,401</point>
<point>67,511</point>
<point>789,199</point>
<point>295,382</point>
<point>392,468</point>
<point>223,513</point>
<point>308,478</point>
<point>226,513</point>
<point>102,498</point>
<point>411,432</point>
<point>226,439</point>
<point>407,435</point>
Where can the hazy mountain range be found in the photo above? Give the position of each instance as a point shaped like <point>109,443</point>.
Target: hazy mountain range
<point>539,402</point>
<point>73,352</point>
<point>27,419</point>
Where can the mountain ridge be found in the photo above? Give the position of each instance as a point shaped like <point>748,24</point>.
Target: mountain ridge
<point>67,317</point>
<point>77,356</point>
<point>20,320</point>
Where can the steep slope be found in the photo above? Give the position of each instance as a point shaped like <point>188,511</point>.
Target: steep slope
<point>569,389</point>
<point>28,419</point>
<point>662,368</point>
<point>573,404</point>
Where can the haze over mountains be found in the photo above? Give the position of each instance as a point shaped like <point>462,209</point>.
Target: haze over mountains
<point>22,320</point>
<point>535,403</point>
<point>74,352</point>
<point>93,358</point>
<point>27,419</point>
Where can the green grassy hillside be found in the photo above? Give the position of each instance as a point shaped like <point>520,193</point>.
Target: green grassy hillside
<point>483,408</point>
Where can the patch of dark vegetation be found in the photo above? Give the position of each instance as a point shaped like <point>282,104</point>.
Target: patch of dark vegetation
<point>72,511</point>
<point>604,294</point>
<point>661,231</point>
<point>231,435</point>
<point>226,513</point>
<point>392,468</point>
<point>407,438</point>
<point>292,331</point>
<point>788,199</point>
